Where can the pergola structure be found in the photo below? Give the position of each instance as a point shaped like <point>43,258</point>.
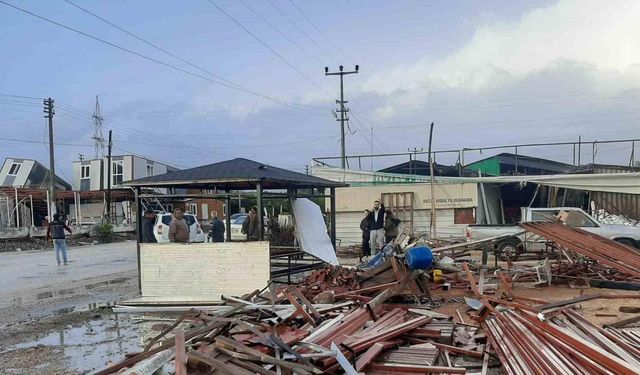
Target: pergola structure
<point>239,177</point>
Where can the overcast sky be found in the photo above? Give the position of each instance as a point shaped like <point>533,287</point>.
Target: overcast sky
<point>487,73</point>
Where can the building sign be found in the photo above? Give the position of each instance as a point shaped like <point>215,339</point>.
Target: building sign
<point>454,195</point>
<point>356,177</point>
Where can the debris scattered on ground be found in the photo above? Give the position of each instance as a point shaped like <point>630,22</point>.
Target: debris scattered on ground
<point>412,310</point>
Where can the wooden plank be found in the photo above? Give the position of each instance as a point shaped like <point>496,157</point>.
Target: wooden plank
<point>472,281</point>
<point>181,354</point>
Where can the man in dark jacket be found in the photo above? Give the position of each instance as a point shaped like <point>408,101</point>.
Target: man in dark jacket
<point>216,230</point>
<point>365,225</point>
<point>55,231</point>
<point>390,226</point>
<point>377,227</point>
<point>148,222</point>
<point>251,227</point>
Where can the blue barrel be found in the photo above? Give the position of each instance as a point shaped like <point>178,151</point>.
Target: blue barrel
<point>419,258</point>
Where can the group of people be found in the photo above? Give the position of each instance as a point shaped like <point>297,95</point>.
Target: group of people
<point>379,227</point>
<point>179,230</point>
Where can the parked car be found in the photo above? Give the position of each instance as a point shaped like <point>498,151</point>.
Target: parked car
<point>577,218</point>
<point>163,220</point>
<point>236,227</point>
<point>237,215</point>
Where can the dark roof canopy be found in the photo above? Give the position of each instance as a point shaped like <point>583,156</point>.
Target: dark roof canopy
<point>236,174</point>
<point>421,168</point>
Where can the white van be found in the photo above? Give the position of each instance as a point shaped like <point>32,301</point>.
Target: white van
<point>161,228</point>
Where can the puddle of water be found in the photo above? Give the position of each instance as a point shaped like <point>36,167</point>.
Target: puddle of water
<point>90,346</point>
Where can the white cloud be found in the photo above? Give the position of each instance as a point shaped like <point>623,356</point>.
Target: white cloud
<point>602,35</point>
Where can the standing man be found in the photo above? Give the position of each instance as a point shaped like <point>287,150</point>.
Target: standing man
<point>148,222</point>
<point>390,226</point>
<point>216,232</point>
<point>377,227</point>
<point>251,227</point>
<point>178,229</point>
<point>55,231</point>
<point>365,227</point>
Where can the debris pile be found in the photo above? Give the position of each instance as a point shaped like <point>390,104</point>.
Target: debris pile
<point>382,319</point>
<point>564,344</point>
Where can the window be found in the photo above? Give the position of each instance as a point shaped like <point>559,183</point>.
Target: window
<point>149,170</point>
<point>85,171</point>
<point>209,191</point>
<point>464,216</point>
<point>193,208</point>
<point>579,219</point>
<point>117,172</point>
<point>15,167</point>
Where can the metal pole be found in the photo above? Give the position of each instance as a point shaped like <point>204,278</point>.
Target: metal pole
<point>432,224</point>
<point>633,155</point>
<point>227,219</point>
<point>79,209</point>
<point>109,172</point>
<point>516,161</point>
<point>574,154</point>
<point>75,201</point>
<point>260,213</point>
<point>17,208</point>
<point>138,234</point>
<point>332,192</point>
<point>31,204</point>
<point>9,211</point>
<point>593,152</point>
<point>49,217</point>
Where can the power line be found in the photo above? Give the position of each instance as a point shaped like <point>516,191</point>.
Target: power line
<point>171,66</point>
<point>320,31</point>
<point>282,34</point>
<point>150,43</point>
<point>300,29</point>
<point>42,142</point>
<point>254,36</point>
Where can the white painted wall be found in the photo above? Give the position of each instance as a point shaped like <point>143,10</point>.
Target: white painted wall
<point>229,268</point>
<point>21,178</point>
<point>94,173</point>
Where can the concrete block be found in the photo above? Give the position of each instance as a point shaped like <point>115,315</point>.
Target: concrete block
<point>14,233</point>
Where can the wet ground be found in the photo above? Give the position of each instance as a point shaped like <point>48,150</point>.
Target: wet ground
<point>75,334</point>
<point>75,349</point>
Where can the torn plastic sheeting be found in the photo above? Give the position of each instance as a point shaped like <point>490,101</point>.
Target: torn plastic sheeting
<point>311,231</point>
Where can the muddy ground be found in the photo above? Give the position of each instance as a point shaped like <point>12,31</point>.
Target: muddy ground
<point>67,335</point>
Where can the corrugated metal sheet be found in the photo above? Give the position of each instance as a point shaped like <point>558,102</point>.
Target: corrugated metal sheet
<point>616,203</point>
<point>348,225</point>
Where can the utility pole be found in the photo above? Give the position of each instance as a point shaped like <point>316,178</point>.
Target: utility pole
<point>49,110</point>
<point>109,172</point>
<point>432,224</point>
<point>342,109</point>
